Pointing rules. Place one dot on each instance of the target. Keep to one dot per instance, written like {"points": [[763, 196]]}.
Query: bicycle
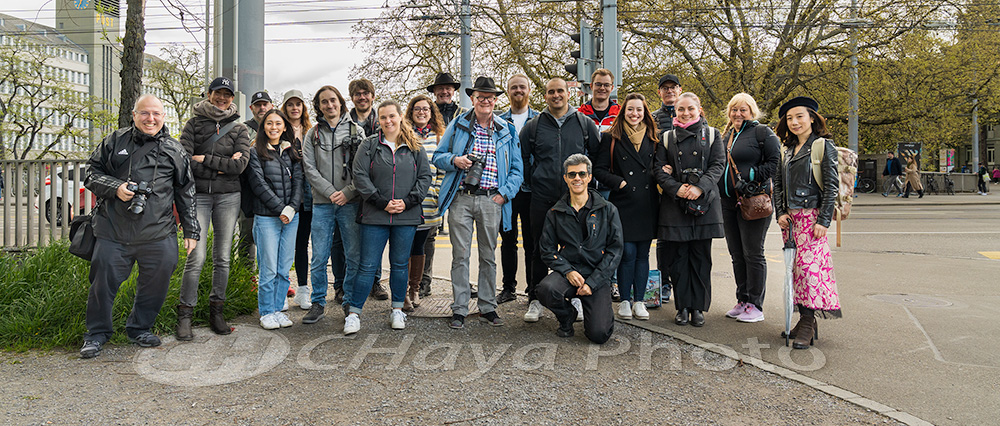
{"points": [[931, 187], [888, 185], [949, 185], [866, 185]]}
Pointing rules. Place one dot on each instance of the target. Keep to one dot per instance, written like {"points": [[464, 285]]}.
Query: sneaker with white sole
{"points": [[283, 319], [737, 310], [751, 314], [285, 306], [534, 311], [397, 320], [579, 308], [269, 322], [639, 311], [302, 299], [352, 324], [625, 310]]}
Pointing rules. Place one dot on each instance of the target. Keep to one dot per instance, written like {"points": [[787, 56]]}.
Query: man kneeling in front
{"points": [[582, 244]]}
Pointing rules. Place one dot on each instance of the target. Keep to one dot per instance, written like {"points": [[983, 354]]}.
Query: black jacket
{"points": [[796, 188], [219, 173], [756, 151], [664, 119], [173, 186], [638, 202], [892, 167], [595, 255], [685, 152], [381, 175], [275, 183], [545, 144], [371, 126]]}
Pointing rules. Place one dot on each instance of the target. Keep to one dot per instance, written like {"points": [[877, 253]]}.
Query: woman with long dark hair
{"points": [[804, 204], [689, 163], [752, 154], [425, 119], [625, 164], [276, 181], [392, 174]]}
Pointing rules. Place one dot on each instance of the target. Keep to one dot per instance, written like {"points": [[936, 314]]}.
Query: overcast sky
{"points": [[299, 56]]}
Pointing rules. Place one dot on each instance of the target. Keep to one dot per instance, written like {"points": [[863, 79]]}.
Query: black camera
{"points": [[691, 176], [141, 190], [747, 189], [475, 172]]}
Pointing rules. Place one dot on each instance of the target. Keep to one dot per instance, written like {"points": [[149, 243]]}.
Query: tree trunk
{"points": [[134, 46]]}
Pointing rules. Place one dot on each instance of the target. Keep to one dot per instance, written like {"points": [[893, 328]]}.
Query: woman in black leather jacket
{"points": [[752, 154], [804, 208]]}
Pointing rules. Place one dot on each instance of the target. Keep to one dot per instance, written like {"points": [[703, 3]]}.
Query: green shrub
{"points": [[43, 298]]}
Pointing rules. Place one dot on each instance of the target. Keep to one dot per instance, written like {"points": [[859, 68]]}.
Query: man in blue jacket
{"points": [[480, 155], [892, 172]]}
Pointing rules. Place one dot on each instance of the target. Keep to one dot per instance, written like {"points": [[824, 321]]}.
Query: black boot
{"points": [[921, 192], [216, 320], [806, 329], [682, 317], [184, 314]]}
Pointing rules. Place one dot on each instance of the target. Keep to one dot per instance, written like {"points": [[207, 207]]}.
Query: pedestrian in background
{"points": [[424, 117], [981, 178], [625, 166], [392, 174], [293, 106], [219, 147], [752, 156], [892, 171], [688, 166], [912, 171], [804, 210], [276, 181]]}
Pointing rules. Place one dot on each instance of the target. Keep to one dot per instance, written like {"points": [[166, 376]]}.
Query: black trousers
{"points": [[691, 273], [663, 261], [520, 206], [745, 240], [302, 247], [111, 266], [554, 293], [536, 214]]}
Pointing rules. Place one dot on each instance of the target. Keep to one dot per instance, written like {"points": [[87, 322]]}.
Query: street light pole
{"points": [[975, 135], [466, 16], [852, 113], [612, 43]]}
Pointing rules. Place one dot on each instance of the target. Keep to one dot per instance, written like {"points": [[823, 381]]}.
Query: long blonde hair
{"points": [[406, 134]]}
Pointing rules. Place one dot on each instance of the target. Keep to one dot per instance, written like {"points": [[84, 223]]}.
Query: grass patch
{"points": [[43, 298]]}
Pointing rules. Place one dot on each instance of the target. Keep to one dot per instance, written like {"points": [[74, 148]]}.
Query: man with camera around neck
{"points": [[132, 227], [480, 155]]}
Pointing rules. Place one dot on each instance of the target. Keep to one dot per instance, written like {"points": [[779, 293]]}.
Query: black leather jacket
{"points": [[796, 188], [565, 248]]}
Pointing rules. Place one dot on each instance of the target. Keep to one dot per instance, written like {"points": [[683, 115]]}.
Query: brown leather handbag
{"points": [[755, 206]]}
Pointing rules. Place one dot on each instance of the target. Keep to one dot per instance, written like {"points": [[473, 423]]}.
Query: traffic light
{"points": [[588, 57]]}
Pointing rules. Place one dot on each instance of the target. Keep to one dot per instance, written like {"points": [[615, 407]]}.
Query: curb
{"points": [[832, 390]]}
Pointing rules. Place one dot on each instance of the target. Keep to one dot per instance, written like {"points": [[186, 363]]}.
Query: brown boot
{"points": [[216, 320], [416, 275], [184, 314], [804, 332]]}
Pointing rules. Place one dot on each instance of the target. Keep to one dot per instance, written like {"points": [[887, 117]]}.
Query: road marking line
{"points": [[995, 255]]}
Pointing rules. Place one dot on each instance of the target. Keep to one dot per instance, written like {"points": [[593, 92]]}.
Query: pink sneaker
{"points": [[751, 314], [736, 311]]}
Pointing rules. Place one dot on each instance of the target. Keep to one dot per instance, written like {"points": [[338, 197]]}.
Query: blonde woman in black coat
{"points": [[624, 163]]}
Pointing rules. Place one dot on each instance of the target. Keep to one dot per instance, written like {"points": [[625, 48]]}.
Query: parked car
{"points": [[55, 184]]}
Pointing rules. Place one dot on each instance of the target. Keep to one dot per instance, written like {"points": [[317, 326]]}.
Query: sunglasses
{"points": [[573, 175]]}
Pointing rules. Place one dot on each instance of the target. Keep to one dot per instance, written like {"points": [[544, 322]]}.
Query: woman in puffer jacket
{"points": [[275, 179]]}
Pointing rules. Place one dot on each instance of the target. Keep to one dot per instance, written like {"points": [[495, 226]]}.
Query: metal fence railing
{"points": [[40, 197]]}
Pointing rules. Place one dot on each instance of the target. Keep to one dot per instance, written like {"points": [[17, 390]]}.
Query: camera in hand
{"points": [[475, 172], [691, 176], [141, 190]]}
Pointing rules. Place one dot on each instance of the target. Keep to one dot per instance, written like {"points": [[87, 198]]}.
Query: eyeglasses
{"points": [[602, 85], [421, 109], [573, 175], [486, 99], [155, 114]]}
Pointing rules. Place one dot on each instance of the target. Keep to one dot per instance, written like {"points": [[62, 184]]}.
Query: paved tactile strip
{"points": [[439, 307]]}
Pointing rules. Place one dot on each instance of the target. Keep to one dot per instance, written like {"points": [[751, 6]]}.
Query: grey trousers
{"points": [[221, 210], [466, 213]]}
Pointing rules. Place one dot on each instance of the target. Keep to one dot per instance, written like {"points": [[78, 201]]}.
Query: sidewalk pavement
{"points": [[964, 198]]}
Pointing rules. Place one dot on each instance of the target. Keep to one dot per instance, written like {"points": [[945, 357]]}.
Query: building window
{"points": [[990, 155]]}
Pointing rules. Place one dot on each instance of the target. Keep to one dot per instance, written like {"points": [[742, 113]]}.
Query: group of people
{"points": [[592, 188]]}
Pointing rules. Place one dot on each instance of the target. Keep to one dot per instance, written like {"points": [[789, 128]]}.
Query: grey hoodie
{"points": [[326, 158]]}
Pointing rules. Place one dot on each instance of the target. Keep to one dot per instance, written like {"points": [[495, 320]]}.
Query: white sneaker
{"points": [[285, 307], [534, 311], [269, 322], [352, 324], [639, 310], [625, 310], [397, 319], [579, 308], [283, 319], [302, 298]]}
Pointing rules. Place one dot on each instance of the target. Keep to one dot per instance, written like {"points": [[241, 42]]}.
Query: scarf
{"points": [[635, 135], [678, 123], [422, 131]]}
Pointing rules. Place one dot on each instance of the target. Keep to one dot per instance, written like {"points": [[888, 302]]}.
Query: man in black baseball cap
{"points": [[669, 89], [444, 88], [260, 104]]}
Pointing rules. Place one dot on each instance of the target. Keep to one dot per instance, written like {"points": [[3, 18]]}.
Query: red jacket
{"points": [[602, 125]]}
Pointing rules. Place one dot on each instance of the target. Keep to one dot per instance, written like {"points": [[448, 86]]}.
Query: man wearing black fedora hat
{"points": [[444, 88], [479, 154]]}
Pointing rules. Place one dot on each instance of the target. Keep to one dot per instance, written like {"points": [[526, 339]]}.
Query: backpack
{"points": [[847, 169], [532, 129]]}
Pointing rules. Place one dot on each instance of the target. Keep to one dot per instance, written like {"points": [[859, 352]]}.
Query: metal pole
{"points": [[852, 113], [208, 29], [612, 42], [466, 16], [975, 135]]}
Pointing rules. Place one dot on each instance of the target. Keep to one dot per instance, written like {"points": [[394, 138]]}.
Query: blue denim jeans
{"points": [[221, 211], [326, 218], [373, 240], [633, 271], [275, 254]]}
